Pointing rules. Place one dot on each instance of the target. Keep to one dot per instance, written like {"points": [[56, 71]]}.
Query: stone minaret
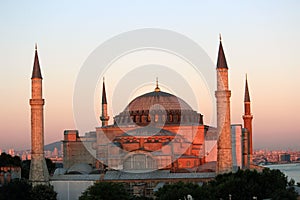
{"points": [[38, 169], [247, 117], [104, 117], [224, 157]]}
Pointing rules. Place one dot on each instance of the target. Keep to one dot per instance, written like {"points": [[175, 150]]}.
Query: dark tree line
{"points": [[242, 185], [8, 160], [21, 189]]}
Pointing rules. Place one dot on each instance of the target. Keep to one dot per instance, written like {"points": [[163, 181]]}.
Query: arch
{"points": [[139, 161]]}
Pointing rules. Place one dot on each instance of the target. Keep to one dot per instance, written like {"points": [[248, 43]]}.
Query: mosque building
{"points": [[158, 138], [159, 130]]}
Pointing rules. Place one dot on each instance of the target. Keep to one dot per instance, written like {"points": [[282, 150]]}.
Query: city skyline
{"points": [[262, 42]]}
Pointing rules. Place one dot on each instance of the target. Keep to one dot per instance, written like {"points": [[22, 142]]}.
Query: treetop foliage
{"points": [[8, 160], [21, 189], [242, 185]]}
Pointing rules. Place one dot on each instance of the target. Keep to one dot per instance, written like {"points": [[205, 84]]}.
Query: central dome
{"points": [[157, 100], [158, 108]]}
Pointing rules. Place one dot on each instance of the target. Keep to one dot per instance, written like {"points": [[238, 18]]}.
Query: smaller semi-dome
{"points": [[60, 171], [81, 168]]}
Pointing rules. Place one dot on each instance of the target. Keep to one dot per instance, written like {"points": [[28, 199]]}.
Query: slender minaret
{"points": [[104, 117], [224, 157], [38, 169], [247, 117]]}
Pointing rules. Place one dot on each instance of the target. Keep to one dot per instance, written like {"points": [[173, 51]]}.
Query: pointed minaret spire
{"points": [[36, 72], [247, 96], [104, 117], [157, 89], [104, 101], [221, 63]]}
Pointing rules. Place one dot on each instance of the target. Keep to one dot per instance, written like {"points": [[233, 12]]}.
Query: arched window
{"points": [[139, 161], [156, 118], [137, 118], [163, 118], [170, 118]]}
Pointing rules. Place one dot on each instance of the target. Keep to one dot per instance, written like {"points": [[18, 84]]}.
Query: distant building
{"points": [[9, 173], [11, 152], [285, 157], [55, 152]]}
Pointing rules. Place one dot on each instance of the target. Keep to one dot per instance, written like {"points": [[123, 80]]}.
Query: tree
{"points": [[15, 190], [50, 166], [246, 184], [242, 185], [25, 168], [105, 191], [22, 189], [44, 192], [8, 160], [179, 190]]}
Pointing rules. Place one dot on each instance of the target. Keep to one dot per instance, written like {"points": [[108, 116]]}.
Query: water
{"points": [[290, 170]]}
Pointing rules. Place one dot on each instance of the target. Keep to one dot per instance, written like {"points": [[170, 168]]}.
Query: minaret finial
{"points": [[220, 36], [157, 89], [35, 46]]}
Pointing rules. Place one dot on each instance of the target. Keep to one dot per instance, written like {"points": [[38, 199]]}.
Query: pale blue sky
{"points": [[261, 38]]}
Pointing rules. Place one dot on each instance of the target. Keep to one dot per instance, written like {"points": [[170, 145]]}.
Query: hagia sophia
{"points": [[158, 138]]}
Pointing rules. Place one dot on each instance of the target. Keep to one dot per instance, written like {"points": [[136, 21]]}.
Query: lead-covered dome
{"points": [[158, 107], [157, 100]]}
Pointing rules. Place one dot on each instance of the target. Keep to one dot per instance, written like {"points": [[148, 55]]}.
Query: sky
{"points": [[260, 38]]}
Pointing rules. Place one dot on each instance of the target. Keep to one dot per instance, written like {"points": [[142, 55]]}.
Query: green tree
{"points": [[50, 166], [15, 190], [25, 167], [8, 160], [179, 190], [44, 192], [105, 191], [22, 189], [244, 185]]}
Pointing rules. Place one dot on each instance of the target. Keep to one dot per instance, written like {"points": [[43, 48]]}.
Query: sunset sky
{"points": [[260, 38]]}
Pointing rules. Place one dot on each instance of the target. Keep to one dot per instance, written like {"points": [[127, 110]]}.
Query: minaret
{"points": [[104, 117], [224, 157], [247, 117], [38, 169]]}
